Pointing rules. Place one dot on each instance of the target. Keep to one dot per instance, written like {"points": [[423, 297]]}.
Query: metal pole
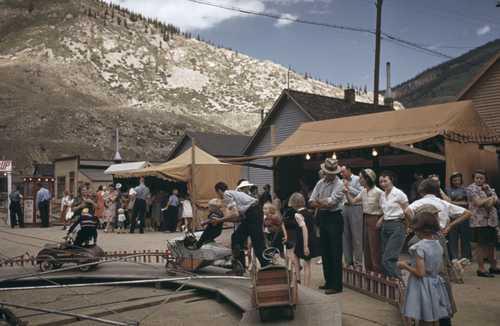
{"points": [[9, 190], [377, 52], [80, 316], [145, 281], [193, 181]]}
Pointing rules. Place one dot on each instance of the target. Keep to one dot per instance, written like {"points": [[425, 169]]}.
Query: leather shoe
{"points": [[494, 270], [322, 287], [484, 274], [331, 291]]}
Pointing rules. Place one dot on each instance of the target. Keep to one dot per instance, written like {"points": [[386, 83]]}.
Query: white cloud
{"points": [[188, 15], [483, 30], [285, 20]]}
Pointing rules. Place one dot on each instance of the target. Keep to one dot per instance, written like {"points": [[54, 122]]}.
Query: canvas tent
{"points": [[200, 176], [126, 167], [457, 122]]}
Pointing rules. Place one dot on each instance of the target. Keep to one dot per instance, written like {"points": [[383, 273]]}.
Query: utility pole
{"points": [[376, 77]]}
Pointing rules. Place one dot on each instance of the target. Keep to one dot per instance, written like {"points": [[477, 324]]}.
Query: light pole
{"points": [[377, 52]]}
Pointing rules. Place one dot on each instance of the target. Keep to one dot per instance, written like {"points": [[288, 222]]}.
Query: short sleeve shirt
{"points": [[390, 204], [371, 200], [238, 200], [481, 216], [446, 210]]}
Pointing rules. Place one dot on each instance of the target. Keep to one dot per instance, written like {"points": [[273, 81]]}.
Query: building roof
{"points": [[95, 163], [96, 175], [457, 121], [481, 73], [322, 107], [217, 145], [318, 107]]}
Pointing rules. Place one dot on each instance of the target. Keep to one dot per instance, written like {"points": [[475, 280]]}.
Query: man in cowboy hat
{"points": [[328, 197]]}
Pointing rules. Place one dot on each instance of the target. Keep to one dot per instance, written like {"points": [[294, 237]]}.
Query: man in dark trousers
{"points": [[16, 213], [139, 210], [328, 197], [243, 209], [43, 204]]}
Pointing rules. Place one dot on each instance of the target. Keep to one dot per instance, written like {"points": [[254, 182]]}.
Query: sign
{"points": [[28, 207], [5, 166]]}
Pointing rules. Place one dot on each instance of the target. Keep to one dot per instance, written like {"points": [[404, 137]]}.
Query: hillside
{"points": [[73, 70], [444, 82]]}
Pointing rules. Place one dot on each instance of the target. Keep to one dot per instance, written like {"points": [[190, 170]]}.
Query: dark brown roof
{"points": [[217, 145], [324, 107]]}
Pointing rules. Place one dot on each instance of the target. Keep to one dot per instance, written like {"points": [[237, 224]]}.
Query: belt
{"points": [[395, 220]]}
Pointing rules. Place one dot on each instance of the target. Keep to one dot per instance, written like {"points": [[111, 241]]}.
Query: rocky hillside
{"points": [[444, 82], [73, 70]]}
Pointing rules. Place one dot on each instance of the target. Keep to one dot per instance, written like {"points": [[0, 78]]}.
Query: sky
{"points": [[449, 26]]}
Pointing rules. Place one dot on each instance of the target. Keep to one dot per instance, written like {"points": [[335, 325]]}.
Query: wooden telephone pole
{"points": [[376, 76]]}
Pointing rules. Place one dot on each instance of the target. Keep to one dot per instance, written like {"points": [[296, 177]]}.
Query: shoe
{"points": [[332, 291], [494, 270], [484, 274], [322, 287]]}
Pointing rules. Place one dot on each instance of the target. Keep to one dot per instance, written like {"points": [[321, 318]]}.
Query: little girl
{"points": [[121, 220], [300, 236], [273, 227], [427, 298]]}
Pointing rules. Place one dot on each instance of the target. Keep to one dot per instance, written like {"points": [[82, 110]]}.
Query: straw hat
{"points": [[244, 184], [330, 166]]}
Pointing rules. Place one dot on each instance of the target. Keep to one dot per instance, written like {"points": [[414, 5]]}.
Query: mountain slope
{"points": [[76, 69], [444, 82]]}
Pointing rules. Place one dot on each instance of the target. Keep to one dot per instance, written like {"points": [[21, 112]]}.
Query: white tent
{"points": [[126, 167]]}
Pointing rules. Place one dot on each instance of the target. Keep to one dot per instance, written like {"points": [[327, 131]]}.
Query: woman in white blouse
{"points": [[369, 197], [392, 224]]}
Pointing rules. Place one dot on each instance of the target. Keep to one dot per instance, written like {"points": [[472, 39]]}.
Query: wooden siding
{"points": [[485, 94], [286, 120]]}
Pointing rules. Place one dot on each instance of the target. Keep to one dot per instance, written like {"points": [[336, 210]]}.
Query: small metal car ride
{"points": [[53, 256], [274, 287], [184, 255]]}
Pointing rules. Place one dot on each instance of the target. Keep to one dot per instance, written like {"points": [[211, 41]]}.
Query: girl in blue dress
{"points": [[426, 298]]}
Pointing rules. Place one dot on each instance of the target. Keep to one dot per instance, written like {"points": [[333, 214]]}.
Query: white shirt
{"points": [[391, 204], [446, 209], [370, 200], [187, 209]]}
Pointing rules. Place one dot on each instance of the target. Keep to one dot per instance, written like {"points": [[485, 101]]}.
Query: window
{"points": [[61, 186]]}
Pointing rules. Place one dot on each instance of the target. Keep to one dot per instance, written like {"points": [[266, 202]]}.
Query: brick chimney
{"points": [[350, 95]]}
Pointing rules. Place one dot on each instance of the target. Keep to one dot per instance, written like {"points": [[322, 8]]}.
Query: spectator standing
{"points": [[353, 220], [265, 197], [482, 201], [462, 233], [187, 212], [328, 198], [369, 197], [16, 212], [66, 203], [392, 224], [99, 211], [172, 211], [43, 197], [139, 209]]}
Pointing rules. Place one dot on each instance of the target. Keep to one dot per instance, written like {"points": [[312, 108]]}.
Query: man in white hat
{"points": [[328, 197]]}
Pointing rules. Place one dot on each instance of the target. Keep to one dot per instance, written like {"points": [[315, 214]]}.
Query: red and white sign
{"points": [[5, 166]]}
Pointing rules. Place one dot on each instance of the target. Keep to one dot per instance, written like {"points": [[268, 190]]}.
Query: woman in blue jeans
{"points": [[392, 224]]}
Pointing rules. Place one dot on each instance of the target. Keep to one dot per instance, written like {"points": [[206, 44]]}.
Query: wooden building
{"points": [[484, 91], [72, 172], [432, 139], [218, 145], [290, 110]]}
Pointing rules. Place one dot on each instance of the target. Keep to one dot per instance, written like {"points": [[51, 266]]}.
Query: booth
{"points": [[199, 170]]}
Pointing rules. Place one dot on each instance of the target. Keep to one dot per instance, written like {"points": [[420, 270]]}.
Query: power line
{"points": [[385, 36]]}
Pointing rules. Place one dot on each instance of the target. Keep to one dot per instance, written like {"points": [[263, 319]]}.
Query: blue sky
{"points": [[448, 26]]}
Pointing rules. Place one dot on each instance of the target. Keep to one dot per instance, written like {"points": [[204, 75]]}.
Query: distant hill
{"points": [[73, 70], [444, 82]]}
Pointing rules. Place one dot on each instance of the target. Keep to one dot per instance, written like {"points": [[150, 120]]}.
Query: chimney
{"points": [[350, 95], [118, 157], [388, 91]]}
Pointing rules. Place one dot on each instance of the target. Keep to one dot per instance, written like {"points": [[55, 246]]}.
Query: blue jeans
{"points": [[392, 236]]}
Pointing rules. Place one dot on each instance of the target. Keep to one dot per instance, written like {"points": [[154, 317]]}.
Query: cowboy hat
{"points": [[330, 166], [244, 184]]}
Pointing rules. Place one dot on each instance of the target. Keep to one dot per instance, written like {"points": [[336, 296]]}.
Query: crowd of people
{"points": [[365, 221]]}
